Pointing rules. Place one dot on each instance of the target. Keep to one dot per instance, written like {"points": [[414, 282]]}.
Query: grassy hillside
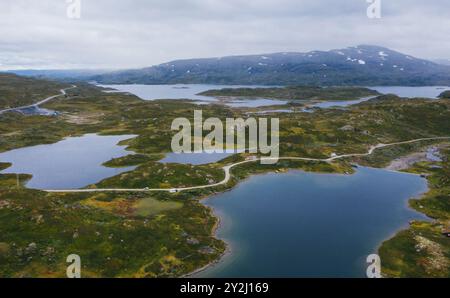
{"points": [[162, 234], [18, 91], [423, 250], [295, 93], [363, 65], [445, 94]]}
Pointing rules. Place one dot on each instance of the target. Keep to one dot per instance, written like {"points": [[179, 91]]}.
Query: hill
{"points": [[363, 65], [18, 91]]}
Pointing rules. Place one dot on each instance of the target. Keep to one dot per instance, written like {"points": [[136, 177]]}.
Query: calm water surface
{"points": [[255, 103], [190, 91], [71, 163], [178, 91], [311, 225], [403, 91], [272, 111], [295, 224]]}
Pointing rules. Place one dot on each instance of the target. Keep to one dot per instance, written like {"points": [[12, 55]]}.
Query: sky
{"points": [[117, 34]]}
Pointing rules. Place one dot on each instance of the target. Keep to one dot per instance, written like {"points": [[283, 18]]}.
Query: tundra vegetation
{"points": [[424, 248], [445, 94], [295, 93], [18, 91], [160, 234]]}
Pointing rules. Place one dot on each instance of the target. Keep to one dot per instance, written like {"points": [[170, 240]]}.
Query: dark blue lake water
{"points": [[195, 158], [71, 163], [301, 224], [406, 91]]}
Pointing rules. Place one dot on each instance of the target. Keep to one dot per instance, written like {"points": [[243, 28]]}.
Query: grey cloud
{"points": [[137, 33]]}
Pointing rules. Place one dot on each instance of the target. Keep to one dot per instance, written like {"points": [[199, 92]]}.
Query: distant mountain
{"points": [[59, 74], [18, 91], [361, 65], [445, 94], [442, 61]]}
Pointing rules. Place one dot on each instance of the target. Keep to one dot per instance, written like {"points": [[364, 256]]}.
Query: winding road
{"points": [[37, 104], [227, 170]]}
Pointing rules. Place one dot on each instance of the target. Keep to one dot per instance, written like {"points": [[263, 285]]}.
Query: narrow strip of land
{"points": [[228, 168], [37, 104]]}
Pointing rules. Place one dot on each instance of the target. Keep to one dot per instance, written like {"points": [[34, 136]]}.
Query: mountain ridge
{"points": [[363, 65], [366, 65]]}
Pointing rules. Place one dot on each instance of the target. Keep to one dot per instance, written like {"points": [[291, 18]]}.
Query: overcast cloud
{"points": [[139, 33]]}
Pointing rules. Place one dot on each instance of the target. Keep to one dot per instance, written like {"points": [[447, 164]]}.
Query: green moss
{"points": [[31, 90], [295, 93], [150, 206], [4, 165], [445, 94], [423, 250], [158, 243]]}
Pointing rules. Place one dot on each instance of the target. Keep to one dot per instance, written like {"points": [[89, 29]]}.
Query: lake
{"points": [[72, 163], [154, 92], [405, 91], [301, 224], [294, 224], [177, 91], [254, 103], [190, 91], [340, 103], [36, 110]]}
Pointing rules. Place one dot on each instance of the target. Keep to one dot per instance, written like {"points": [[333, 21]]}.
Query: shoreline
{"points": [[218, 224], [228, 250], [408, 206], [221, 257]]}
